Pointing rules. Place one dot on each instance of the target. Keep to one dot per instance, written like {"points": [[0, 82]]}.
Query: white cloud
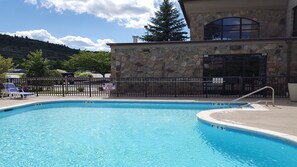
{"points": [[41, 35], [71, 41], [129, 13], [86, 43], [34, 2]]}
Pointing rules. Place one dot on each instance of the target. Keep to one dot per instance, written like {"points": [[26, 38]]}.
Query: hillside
{"points": [[19, 47]]}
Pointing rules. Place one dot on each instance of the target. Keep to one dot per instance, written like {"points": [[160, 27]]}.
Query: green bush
{"points": [[55, 73], [84, 74], [80, 89]]}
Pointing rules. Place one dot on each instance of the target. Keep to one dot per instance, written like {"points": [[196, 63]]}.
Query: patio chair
{"points": [[109, 86], [11, 89]]}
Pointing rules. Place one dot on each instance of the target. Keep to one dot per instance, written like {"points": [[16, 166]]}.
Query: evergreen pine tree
{"points": [[166, 25]]}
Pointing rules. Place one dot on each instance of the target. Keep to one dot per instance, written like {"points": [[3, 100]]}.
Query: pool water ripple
{"points": [[129, 134]]}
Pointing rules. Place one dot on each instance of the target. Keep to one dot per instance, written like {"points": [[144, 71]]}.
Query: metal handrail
{"points": [[256, 91]]}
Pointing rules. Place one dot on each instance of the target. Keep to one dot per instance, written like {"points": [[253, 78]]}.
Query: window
{"points": [[295, 22], [250, 65], [231, 28]]}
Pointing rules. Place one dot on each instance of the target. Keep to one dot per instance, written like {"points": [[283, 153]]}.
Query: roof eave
{"points": [[181, 3]]}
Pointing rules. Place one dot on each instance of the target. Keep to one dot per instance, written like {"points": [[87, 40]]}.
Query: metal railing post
{"points": [[66, 84], [36, 86], [206, 89], [288, 80], [256, 91], [273, 103], [90, 87], [175, 88], [145, 87], [241, 86], [117, 87], [63, 89]]}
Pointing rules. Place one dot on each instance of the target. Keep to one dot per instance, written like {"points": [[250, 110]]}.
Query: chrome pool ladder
{"points": [[256, 91]]}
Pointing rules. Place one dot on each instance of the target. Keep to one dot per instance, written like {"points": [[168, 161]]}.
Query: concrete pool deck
{"points": [[282, 118]]}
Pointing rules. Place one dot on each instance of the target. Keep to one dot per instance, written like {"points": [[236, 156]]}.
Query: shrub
{"points": [[55, 73], [84, 75], [100, 88], [80, 89]]}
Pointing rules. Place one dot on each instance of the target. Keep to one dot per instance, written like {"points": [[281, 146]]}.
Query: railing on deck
{"points": [[155, 87], [256, 91]]}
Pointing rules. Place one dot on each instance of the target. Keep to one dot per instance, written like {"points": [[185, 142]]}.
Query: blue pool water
{"points": [[130, 134]]}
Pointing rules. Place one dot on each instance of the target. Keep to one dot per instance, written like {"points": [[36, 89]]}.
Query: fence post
{"points": [[117, 86], [175, 91], [66, 84], [288, 80], [205, 85], [36, 86], [63, 90], [265, 84], [145, 87], [241, 86], [90, 87]]}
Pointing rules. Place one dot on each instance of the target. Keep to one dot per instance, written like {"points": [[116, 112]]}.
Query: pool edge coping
{"points": [[206, 117], [110, 100]]}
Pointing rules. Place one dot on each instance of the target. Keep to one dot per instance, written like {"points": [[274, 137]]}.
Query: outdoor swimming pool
{"points": [[90, 133]]}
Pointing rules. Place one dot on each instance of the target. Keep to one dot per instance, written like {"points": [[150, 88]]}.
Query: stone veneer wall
{"points": [[186, 59], [291, 5], [272, 21]]}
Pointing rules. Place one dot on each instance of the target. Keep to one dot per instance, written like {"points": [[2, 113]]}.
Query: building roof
{"points": [[181, 3], [286, 39], [204, 6]]}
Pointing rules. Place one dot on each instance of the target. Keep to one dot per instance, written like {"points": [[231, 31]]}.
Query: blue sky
{"points": [[84, 24]]}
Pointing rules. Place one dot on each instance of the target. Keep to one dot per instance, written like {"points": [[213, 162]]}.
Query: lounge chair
{"points": [[109, 86], [11, 89]]}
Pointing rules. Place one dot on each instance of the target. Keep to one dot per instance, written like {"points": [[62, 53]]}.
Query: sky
{"points": [[81, 24]]}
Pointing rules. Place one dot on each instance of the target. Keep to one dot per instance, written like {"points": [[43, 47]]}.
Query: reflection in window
{"points": [[231, 28], [295, 22], [250, 65]]}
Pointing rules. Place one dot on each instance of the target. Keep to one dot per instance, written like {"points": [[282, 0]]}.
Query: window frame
{"points": [[240, 28]]}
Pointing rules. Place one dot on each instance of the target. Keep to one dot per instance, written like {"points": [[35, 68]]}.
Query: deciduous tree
{"points": [[36, 65], [92, 61], [5, 65]]}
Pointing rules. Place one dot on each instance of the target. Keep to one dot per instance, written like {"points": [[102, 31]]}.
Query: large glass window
{"points": [[295, 22], [231, 28], [251, 65]]}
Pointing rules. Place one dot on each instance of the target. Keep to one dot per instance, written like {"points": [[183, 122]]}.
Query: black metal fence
{"points": [[155, 87]]}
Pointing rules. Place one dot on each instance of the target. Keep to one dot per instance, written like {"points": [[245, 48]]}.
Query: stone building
{"points": [[247, 38]]}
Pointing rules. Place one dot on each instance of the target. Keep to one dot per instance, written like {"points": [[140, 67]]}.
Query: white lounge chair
{"points": [[11, 89], [109, 86]]}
